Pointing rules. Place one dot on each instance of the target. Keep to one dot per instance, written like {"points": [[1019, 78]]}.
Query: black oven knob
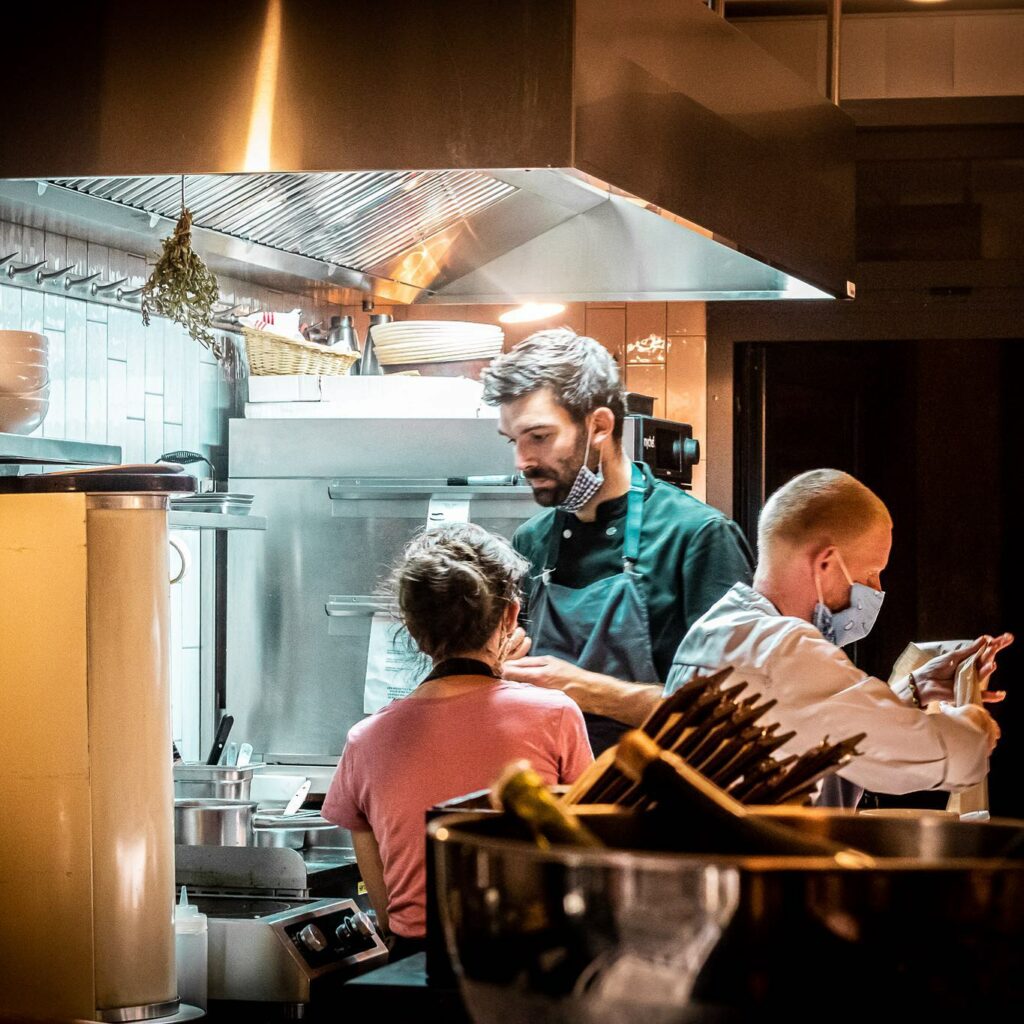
{"points": [[313, 939], [352, 927]]}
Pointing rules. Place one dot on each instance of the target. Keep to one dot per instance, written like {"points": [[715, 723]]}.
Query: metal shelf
{"points": [[214, 521], [370, 490], [48, 451]]}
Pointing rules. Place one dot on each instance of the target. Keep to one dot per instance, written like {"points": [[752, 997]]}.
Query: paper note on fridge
{"points": [[394, 667]]}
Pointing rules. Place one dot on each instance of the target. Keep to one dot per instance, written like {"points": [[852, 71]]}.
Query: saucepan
{"points": [[293, 831], [213, 822], [645, 930]]}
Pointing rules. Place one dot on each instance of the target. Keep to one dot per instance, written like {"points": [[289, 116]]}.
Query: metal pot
{"points": [[214, 781], [213, 822], [289, 831], [596, 936]]}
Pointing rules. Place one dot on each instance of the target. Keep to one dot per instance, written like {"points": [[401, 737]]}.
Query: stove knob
{"points": [[361, 923], [313, 939], [354, 926]]}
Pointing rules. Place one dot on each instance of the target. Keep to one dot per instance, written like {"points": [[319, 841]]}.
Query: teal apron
{"points": [[603, 627]]}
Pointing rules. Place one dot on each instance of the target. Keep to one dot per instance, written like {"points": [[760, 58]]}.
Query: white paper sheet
{"points": [[394, 667]]}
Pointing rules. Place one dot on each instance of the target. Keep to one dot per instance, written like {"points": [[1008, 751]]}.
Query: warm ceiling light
{"points": [[261, 118], [532, 311]]}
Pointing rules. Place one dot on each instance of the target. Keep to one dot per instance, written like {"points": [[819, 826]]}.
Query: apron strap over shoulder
{"points": [[634, 518]]}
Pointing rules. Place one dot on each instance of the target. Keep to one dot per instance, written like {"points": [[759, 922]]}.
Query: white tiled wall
{"points": [[150, 390]]}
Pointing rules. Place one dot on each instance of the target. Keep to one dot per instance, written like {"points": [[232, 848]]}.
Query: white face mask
{"points": [[585, 486], [853, 623]]}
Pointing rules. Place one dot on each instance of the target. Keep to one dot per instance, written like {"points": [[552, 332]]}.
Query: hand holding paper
{"points": [[936, 679]]}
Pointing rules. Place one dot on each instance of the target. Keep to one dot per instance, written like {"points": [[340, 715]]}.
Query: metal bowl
{"points": [[213, 822], [641, 932]]}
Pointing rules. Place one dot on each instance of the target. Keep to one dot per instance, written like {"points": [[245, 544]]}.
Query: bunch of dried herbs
{"points": [[182, 287]]}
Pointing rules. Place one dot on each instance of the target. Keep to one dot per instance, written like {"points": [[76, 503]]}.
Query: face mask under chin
{"points": [[585, 486]]}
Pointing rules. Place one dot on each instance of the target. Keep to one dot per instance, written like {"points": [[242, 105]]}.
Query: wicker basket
{"points": [[272, 355]]}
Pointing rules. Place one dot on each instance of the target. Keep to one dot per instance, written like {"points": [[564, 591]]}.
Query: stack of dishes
{"points": [[229, 504], [435, 341], [24, 381]]}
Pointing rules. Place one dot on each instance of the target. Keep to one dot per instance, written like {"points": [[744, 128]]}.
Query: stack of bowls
{"points": [[24, 381], [439, 348]]}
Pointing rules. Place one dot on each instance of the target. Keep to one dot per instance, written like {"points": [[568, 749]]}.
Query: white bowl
{"points": [[21, 415]]}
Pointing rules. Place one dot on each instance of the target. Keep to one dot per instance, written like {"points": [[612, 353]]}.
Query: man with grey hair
{"points": [[622, 563]]}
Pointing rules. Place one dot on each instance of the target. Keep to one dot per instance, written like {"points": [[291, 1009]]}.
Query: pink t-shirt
{"points": [[420, 751]]}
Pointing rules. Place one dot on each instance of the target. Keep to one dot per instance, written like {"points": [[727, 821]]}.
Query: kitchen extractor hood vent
{"points": [[442, 151], [355, 220]]}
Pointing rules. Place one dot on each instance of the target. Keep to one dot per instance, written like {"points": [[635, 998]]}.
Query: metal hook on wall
{"points": [[47, 275], [74, 282], [8, 257], [97, 288], [132, 294], [26, 268]]}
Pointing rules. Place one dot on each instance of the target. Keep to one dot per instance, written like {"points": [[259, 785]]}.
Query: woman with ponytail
{"points": [[457, 590]]}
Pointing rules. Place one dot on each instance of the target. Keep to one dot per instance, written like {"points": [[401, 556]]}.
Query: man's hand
{"points": [[517, 646], [935, 679], [629, 703], [544, 670]]}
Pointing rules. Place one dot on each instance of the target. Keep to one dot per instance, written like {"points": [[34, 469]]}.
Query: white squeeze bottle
{"points": [[190, 951]]}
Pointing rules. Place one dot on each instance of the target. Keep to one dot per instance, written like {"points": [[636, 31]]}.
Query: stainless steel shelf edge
{"points": [[214, 521], [48, 451], [338, 491], [342, 605]]}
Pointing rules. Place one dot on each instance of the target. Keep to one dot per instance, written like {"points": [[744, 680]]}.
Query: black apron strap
{"points": [[461, 667]]}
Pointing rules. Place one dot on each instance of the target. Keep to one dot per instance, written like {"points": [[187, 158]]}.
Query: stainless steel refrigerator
{"points": [[341, 498]]}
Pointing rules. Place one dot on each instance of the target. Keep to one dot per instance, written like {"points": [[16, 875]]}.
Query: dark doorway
{"points": [[935, 429]]}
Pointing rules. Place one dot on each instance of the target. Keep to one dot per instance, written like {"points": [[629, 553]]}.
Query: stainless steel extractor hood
{"points": [[446, 151]]}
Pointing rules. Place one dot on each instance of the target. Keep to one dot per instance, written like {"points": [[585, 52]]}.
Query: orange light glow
{"points": [[530, 311], [261, 120]]}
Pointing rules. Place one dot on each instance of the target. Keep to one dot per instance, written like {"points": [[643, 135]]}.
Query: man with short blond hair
{"points": [[824, 540], [819, 504]]}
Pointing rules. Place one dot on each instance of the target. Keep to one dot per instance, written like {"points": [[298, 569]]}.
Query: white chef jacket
{"points": [[820, 693]]}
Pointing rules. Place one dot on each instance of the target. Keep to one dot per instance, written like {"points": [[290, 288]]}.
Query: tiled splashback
{"points": [[114, 381], [148, 389]]}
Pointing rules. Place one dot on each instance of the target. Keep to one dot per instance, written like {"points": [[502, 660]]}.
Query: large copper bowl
{"points": [[642, 933]]}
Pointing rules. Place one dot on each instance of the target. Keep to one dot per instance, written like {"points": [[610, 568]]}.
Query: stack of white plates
{"points": [[230, 504], [435, 341]]}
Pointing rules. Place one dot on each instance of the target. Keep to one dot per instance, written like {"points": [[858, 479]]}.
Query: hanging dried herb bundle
{"points": [[182, 287]]}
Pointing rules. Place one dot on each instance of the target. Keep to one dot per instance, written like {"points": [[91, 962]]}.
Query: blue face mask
{"points": [[852, 623]]}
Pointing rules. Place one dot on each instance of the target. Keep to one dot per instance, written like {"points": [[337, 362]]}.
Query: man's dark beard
{"points": [[564, 475]]}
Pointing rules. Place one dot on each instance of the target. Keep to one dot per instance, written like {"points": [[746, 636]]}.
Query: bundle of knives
{"points": [[721, 734]]}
